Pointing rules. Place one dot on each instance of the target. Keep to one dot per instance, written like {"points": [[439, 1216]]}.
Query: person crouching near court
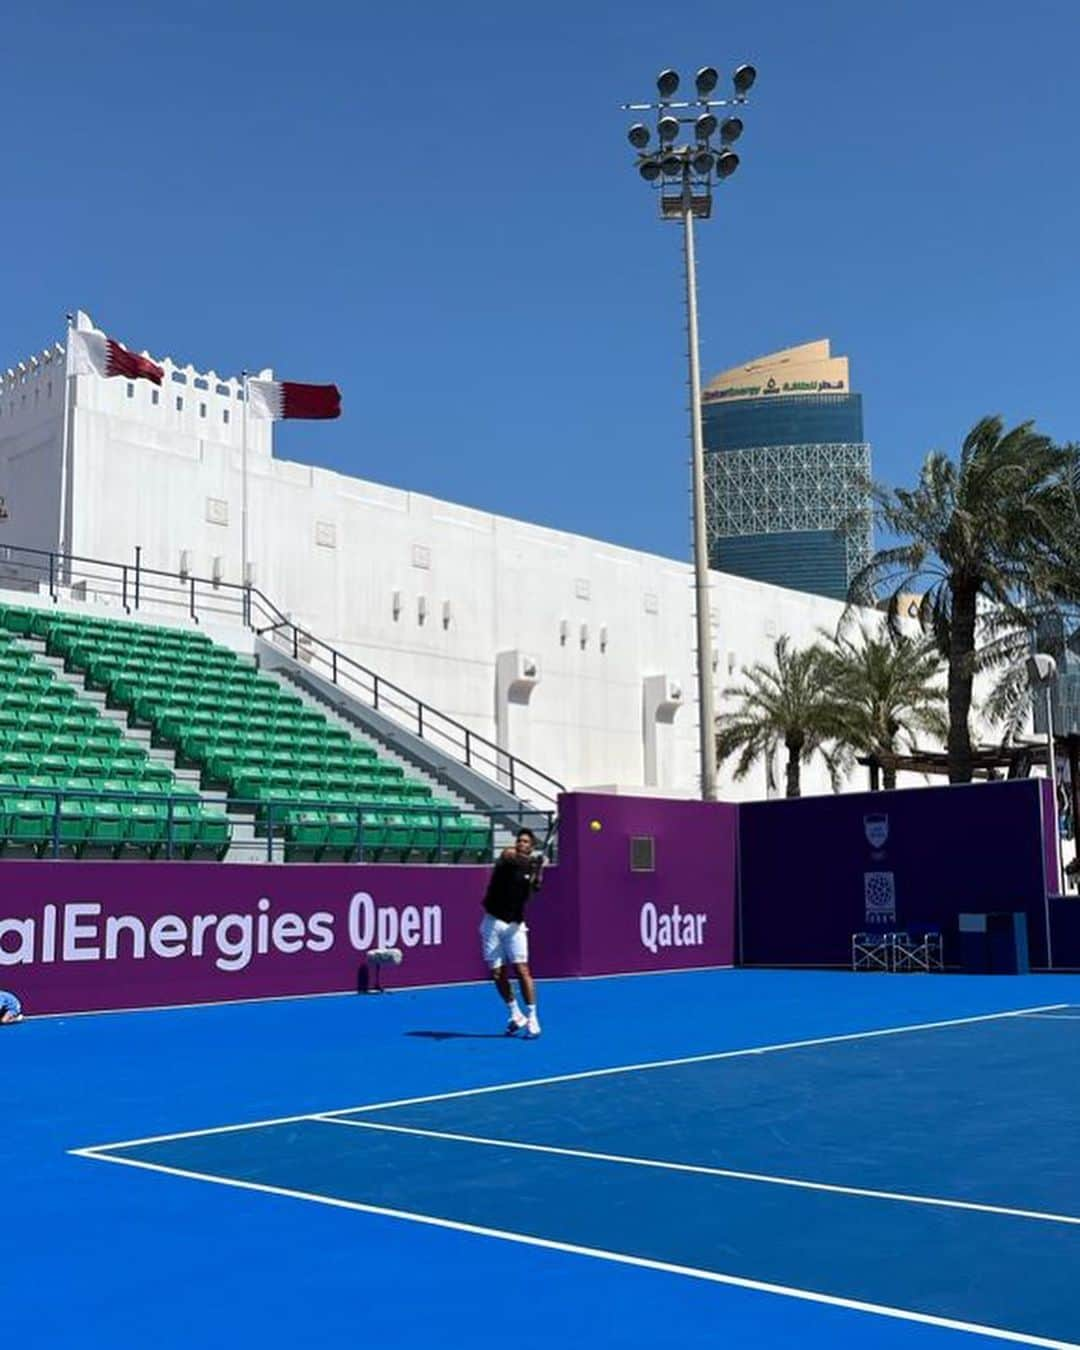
{"points": [[10, 1008], [504, 934]]}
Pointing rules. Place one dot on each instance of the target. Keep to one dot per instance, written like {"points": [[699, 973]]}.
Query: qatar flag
{"points": [[279, 399], [92, 353]]}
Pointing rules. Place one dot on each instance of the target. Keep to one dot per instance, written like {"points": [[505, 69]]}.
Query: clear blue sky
{"points": [[434, 205]]}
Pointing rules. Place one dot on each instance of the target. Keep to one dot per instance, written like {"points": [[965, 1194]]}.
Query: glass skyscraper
{"points": [[787, 471]]}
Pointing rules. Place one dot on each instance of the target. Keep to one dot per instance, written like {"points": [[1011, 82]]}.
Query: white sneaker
{"points": [[532, 1026], [517, 1023]]}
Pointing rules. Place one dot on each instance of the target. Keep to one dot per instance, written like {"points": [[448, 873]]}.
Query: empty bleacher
{"points": [[72, 782], [306, 781]]}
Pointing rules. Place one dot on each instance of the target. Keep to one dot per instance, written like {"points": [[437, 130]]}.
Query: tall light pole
{"points": [[1042, 672], [683, 172]]}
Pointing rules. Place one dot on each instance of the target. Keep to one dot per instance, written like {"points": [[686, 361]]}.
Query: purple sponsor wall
{"points": [[1065, 931], [116, 935], [814, 871], [679, 915], [91, 935]]}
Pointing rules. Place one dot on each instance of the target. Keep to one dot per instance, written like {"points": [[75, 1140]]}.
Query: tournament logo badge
{"points": [[877, 830], [879, 894]]}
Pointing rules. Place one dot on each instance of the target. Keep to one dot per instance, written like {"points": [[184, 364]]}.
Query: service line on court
{"points": [[701, 1169], [599, 1253], [96, 1150]]}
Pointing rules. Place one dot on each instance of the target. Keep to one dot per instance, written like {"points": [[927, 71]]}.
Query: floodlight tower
{"points": [[683, 173]]}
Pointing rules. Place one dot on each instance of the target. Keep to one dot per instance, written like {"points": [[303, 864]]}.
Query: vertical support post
{"points": [[1051, 769], [333, 662], [420, 720], [1074, 788], [52, 577], [56, 825], [468, 748], [244, 480], [138, 570], [67, 439], [706, 700], [123, 588]]}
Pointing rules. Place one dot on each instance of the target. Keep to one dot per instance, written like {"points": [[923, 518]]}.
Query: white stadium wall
{"points": [[429, 594]]}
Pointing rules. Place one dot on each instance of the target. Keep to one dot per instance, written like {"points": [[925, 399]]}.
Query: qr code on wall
{"points": [[879, 890]]}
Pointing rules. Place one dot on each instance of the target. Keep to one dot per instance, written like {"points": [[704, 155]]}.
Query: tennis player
{"points": [[504, 933], [10, 1008]]}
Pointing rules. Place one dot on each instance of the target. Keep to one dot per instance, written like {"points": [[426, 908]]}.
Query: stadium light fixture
{"points": [[705, 126], [705, 80], [727, 161], [684, 174], [743, 80], [667, 129], [731, 128], [667, 83]]}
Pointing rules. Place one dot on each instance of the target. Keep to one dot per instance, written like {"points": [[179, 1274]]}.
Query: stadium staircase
{"points": [[152, 741]]}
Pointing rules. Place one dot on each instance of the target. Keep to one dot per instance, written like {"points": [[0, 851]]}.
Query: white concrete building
{"points": [[447, 601]]}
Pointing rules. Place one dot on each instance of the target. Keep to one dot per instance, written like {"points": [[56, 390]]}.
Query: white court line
{"points": [[574, 1077], [599, 1253], [347, 990], [700, 1169]]}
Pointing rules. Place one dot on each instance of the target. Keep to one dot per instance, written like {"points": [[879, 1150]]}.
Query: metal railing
{"points": [[296, 830], [134, 587]]}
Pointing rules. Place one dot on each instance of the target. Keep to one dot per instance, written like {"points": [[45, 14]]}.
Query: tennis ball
{"points": [[595, 826]]}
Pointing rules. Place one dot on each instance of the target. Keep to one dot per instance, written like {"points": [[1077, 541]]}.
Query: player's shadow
{"points": [[458, 1035]]}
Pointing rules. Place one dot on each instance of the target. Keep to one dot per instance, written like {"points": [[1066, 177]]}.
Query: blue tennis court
{"points": [[752, 1157]]}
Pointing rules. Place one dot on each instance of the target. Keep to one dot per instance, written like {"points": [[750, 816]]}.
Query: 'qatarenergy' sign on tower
{"points": [[787, 471]]}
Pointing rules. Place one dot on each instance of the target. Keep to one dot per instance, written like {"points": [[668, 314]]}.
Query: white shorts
{"points": [[504, 943]]}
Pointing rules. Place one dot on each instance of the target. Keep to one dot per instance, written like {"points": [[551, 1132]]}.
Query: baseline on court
{"points": [[857, 1170]]}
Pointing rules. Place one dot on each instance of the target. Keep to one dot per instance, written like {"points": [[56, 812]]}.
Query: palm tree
{"points": [[784, 704], [887, 690], [986, 540]]}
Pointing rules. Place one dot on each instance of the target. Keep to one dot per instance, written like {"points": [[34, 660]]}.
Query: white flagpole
{"points": [[63, 539], [244, 485]]}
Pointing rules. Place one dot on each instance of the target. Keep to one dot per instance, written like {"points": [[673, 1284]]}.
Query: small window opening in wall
{"points": [[179, 377], [222, 389], [130, 390], [225, 415], [643, 853], [179, 404], [202, 409], [155, 396], [200, 383]]}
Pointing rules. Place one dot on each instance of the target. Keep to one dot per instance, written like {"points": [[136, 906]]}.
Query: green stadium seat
{"points": [[145, 827], [27, 821], [107, 825]]}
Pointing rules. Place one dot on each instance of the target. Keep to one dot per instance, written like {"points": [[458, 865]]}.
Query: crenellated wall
{"points": [[433, 595]]}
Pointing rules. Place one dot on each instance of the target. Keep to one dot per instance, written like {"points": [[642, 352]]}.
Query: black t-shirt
{"points": [[512, 883]]}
